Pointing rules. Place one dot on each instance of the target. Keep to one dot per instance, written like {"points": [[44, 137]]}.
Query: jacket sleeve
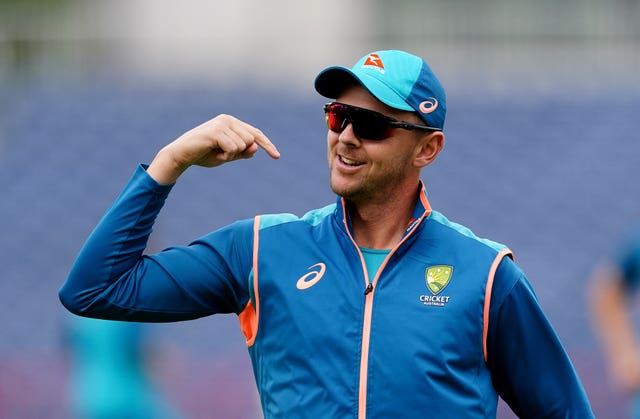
{"points": [[112, 278], [530, 368]]}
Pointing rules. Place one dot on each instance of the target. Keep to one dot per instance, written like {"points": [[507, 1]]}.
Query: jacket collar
{"points": [[421, 211]]}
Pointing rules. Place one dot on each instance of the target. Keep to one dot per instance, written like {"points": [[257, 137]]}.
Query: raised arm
{"points": [[112, 279], [217, 141]]}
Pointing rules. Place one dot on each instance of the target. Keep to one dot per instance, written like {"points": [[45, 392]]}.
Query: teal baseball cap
{"points": [[396, 78]]}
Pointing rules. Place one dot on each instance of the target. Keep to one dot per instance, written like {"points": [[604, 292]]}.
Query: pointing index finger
{"points": [[266, 144]]}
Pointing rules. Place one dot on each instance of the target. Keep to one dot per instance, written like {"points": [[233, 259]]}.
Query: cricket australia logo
{"points": [[437, 278]]}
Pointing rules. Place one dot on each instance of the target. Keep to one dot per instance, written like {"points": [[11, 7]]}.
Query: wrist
{"points": [[164, 169]]}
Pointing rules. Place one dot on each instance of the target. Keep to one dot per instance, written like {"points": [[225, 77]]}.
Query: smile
{"points": [[349, 162]]}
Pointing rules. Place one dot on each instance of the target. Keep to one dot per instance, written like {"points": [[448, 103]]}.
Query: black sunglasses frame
{"points": [[350, 113]]}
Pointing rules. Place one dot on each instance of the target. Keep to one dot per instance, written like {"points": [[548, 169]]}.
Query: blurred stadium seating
{"points": [[544, 162], [554, 178]]}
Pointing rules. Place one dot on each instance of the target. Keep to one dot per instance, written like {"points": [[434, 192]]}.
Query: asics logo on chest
{"points": [[310, 279]]}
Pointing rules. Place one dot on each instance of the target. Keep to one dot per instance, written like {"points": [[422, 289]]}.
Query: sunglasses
{"points": [[366, 124]]}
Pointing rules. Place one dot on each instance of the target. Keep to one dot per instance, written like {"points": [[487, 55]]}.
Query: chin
{"points": [[341, 190], [348, 188], [351, 193]]}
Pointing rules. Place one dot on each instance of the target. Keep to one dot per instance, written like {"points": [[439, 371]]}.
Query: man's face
{"points": [[366, 171]]}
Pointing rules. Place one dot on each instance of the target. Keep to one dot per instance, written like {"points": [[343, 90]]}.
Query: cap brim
{"points": [[332, 81]]}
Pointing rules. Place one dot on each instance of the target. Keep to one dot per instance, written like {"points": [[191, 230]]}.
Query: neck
{"points": [[381, 225]]}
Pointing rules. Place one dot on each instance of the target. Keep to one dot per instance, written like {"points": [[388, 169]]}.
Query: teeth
{"points": [[349, 162]]}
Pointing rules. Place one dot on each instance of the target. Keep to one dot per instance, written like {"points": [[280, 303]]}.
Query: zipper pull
{"points": [[369, 288]]}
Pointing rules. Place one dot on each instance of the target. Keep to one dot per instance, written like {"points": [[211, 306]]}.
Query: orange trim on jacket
{"points": [[487, 297], [250, 315]]}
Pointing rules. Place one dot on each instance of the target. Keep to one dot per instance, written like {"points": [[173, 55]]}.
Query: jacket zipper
{"points": [[369, 288], [364, 352], [368, 310]]}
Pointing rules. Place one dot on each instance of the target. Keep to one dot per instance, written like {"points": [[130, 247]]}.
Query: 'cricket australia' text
{"points": [[434, 300]]}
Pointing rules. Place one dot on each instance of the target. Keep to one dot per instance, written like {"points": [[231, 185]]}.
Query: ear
{"points": [[428, 148]]}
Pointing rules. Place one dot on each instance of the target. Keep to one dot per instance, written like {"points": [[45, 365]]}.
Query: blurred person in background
{"points": [[376, 306], [112, 371], [613, 299]]}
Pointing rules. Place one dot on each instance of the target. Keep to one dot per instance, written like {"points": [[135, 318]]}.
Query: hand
{"points": [[215, 142]]}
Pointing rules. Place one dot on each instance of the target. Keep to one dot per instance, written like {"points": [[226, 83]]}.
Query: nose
{"points": [[347, 136], [344, 124]]}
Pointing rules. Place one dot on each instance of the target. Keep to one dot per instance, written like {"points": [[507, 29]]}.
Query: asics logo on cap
{"points": [[429, 105], [373, 60]]}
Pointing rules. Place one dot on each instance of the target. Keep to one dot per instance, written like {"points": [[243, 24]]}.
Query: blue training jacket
{"points": [[447, 324]]}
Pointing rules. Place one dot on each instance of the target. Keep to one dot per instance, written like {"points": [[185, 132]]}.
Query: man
{"points": [[376, 306], [613, 285]]}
